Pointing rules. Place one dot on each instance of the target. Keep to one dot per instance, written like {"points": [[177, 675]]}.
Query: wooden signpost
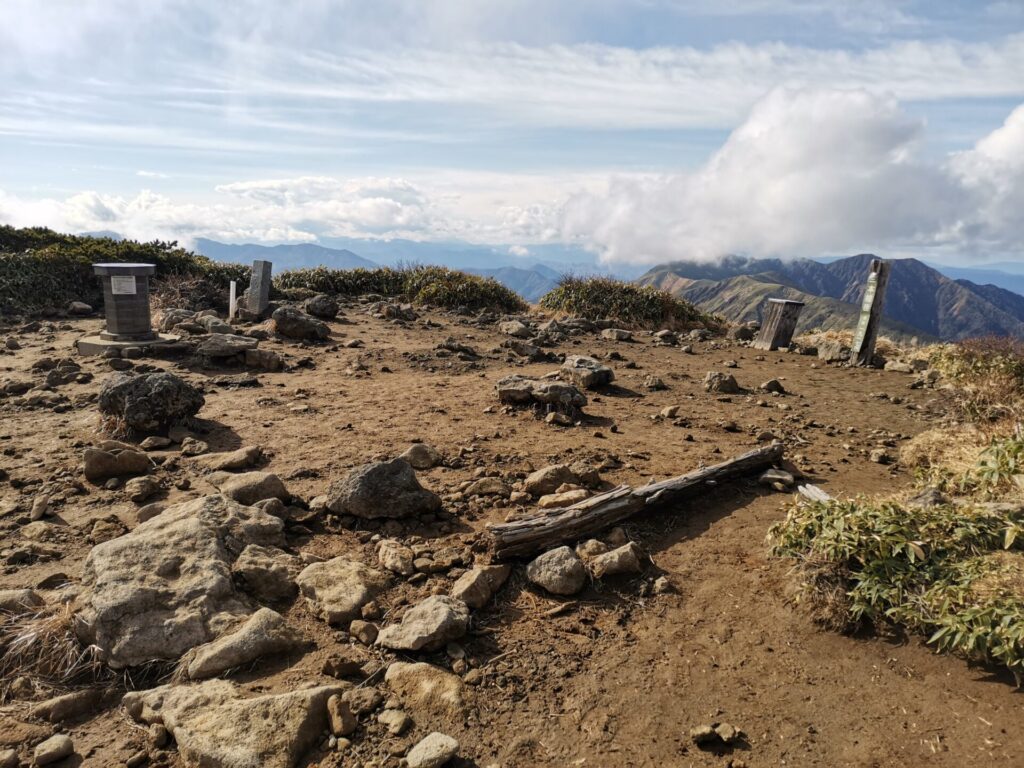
{"points": [[780, 318], [870, 313]]}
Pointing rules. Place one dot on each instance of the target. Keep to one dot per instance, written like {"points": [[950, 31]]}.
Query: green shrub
{"points": [[939, 570], [626, 303], [41, 268]]}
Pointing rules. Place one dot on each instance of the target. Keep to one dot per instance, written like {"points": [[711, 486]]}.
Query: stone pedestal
{"points": [[126, 301]]}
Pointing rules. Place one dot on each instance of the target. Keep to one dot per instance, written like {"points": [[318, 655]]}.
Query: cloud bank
{"points": [[809, 172]]}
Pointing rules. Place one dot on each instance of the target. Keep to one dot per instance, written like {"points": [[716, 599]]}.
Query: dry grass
{"points": [[1004, 577], [42, 644], [885, 346], [955, 449]]}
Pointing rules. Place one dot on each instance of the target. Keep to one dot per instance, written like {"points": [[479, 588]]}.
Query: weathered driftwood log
{"points": [[557, 526]]}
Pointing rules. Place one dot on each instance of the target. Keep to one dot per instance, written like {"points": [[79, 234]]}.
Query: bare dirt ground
{"points": [[620, 675]]}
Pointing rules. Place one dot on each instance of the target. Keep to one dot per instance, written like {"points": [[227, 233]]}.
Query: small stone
{"points": [[53, 749], [773, 385], [9, 758], [190, 446], [363, 631], [563, 499], [138, 489], [342, 719], [432, 752], [395, 720], [40, 507], [154, 442], [396, 557], [422, 456], [773, 476], [558, 419], [880, 456], [619, 561], [616, 334], [428, 625], [559, 571]]}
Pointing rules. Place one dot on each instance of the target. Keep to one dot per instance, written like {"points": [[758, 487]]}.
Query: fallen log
{"points": [[558, 526]]}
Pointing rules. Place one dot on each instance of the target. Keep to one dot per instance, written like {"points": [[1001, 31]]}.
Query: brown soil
{"points": [[621, 675]]}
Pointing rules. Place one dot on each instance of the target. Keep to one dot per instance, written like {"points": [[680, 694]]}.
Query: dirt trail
{"points": [[620, 677]]}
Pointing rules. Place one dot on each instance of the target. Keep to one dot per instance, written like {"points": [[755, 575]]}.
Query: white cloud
{"points": [[809, 172], [152, 175], [813, 172]]}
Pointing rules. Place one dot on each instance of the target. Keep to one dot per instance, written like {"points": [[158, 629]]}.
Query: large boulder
{"points": [[427, 626], [149, 402], [559, 571], [166, 586], [338, 588], [262, 634], [321, 305], [214, 726], [522, 390], [290, 322], [381, 489], [586, 372]]}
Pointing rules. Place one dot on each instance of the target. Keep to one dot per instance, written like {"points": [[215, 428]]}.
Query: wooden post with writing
{"points": [[779, 323], [870, 313]]}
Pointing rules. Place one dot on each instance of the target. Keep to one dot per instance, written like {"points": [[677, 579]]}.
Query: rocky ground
{"points": [[308, 601]]}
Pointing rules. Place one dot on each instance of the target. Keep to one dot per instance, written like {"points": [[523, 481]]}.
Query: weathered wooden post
{"points": [[870, 313], [779, 322], [259, 287]]}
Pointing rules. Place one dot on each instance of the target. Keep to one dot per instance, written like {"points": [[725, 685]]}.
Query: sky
{"points": [[640, 130]]}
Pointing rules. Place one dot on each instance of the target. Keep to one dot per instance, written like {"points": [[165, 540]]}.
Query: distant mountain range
{"points": [[920, 300], [293, 256]]}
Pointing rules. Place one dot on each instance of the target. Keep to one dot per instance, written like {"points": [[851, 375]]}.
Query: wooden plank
{"points": [[870, 313], [779, 324], [557, 526]]}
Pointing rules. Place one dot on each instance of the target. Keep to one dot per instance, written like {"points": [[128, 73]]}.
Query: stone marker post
{"points": [[870, 313], [259, 287], [126, 301], [780, 318]]}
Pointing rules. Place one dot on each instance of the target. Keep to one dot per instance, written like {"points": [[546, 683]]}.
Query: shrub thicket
{"points": [[41, 268], [631, 305]]}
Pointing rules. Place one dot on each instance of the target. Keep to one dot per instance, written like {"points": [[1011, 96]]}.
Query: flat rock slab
{"points": [[427, 626], [338, 588], [166, 586], [262, 634], [215, 727]]}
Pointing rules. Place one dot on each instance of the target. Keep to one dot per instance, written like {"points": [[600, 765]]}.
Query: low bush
{"points": [[988, 376], [631, 305]]}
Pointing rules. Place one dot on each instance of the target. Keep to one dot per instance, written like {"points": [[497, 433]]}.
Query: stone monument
{"points": [[126, 306]]}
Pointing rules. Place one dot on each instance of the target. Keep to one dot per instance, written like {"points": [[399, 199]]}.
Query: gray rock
{"points": [[559, 571], [522, 390], [322, 306], [488, 486], [742, 333], [395, 721], [216, 727], [290, 322], [396, 557], [262, 634], [219, 345], [619, 561], [69, 706], [773, 385], [433, 751], [232, 461], [833, 351], [616, 334], [214, 325], [149, 402], [548, 479], [382, 489], [250, 487], [340, 716], [53, 749], [166, 586], [427, 626], [19, 600], [586, 372], [721, 382], [515, 328], [476, 587], [422, 456], [79, 308], [267, 573], [139, 489], [338, 588], [171, 317], [114, 461], [9, 758]]}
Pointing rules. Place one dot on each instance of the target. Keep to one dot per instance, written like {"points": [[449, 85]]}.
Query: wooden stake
{"points": [[871, 313], [558, 526], [780, 316]]}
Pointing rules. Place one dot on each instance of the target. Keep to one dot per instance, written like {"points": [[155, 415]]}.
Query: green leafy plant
{"points": [[632, 305]]}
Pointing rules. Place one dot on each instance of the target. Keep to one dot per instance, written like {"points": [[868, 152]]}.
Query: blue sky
{"points": [[640, 129]]}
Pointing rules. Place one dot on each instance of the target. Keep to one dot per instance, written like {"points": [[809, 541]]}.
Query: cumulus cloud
{"points": [[808, 172], [812, 172]]}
